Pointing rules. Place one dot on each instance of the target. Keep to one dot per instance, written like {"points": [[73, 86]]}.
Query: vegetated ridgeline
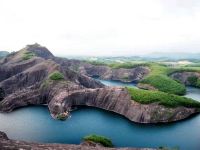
{"points": [[124, 73], [44, 79], [150, 76]]}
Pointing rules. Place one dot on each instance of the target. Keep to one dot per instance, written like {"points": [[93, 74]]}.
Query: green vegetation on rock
{"points": [[165, 84], [99, 139], [61, 116], [165, 99], [159, 79], [198, 83], [28, 55], [56, 76], [159, 76], [192, 80], [115, 65], [127, 65]]}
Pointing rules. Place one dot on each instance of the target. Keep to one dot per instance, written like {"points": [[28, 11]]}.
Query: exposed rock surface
{"points": [[25, 82], [119, 101], [7, 144], [183, 76], [105, 72], [21, 81]]}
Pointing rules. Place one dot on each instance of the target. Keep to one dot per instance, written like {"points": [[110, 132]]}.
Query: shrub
{"points": [[198, 83], [61, 116], [165, 99], [192, 80], [99, 139], [56, 76], [28, 55]]}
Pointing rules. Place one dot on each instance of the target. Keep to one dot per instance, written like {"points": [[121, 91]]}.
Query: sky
{"points": [[101, 27]]}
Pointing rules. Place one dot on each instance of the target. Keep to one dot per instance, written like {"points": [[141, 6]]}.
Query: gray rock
{"points": [[183, 76], [26, 82], [7, 144]]}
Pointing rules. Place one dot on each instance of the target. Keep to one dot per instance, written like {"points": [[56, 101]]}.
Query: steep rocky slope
{"points": [[104, 72], [26, 79], [119, 101], [184, 76]]}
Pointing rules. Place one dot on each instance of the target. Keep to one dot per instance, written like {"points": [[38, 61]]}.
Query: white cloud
{"points": [[101, 27]]}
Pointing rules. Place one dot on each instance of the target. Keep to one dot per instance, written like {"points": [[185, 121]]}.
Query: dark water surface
{"points": [[35, 124]]}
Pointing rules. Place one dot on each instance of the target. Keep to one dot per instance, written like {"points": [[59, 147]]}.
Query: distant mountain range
{"points": [[173, 56]]}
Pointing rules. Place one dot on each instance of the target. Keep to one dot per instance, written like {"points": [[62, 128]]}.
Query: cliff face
{"points": [[21, 80], [119, 101], [124, 75], [184, 76], [26, 82], [7, 144], [105, 72]]}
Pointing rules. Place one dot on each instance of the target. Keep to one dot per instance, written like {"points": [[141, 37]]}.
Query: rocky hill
{"points": [[34, 76], [107, 73]]}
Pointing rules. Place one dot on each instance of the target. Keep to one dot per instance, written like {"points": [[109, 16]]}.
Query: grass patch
{"points": [[56, 76], [99, 139], [192, 80], [165, 99], [28, 55], [165, 84], [159, 79]]}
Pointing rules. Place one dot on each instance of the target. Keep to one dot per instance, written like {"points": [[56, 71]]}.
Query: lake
{"points": [[34, 123]]}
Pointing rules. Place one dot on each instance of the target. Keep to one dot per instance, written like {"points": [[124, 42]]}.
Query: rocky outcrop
{"points": [[184, 76], [27, 82], [119, 101], [125, 75], [40, 51], [7, 144], [104, 72], [22, 81]]}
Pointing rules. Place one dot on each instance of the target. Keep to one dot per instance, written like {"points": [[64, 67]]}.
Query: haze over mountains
{"points": [[173, 55], [151, 56]]}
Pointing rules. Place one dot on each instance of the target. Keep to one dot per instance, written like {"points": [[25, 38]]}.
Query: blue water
{"points": [[193, 93], [35, 124], [117, 83]]}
